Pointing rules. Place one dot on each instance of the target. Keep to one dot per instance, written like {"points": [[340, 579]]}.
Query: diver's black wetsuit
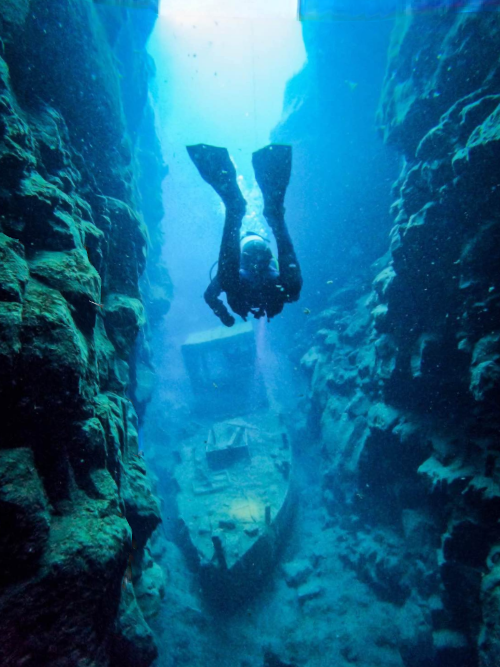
{"points": [[244, 294], [266, 294]]}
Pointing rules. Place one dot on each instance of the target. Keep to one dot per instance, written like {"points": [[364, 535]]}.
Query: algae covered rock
{"points": [[14, 272], [72, 249], [150, 589], [133, 644], [485, 372], [72, 274], [54, 613], [127, 238], [142, 508], [25, 514], [52, 345], [11, 315], [124, 316]]}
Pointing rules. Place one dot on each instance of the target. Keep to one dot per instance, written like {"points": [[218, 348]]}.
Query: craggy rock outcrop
{"points": [[405, 375], [76, 506]]}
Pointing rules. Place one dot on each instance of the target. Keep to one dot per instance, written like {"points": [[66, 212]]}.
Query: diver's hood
{"points": [[253, 239], [255, 253]]}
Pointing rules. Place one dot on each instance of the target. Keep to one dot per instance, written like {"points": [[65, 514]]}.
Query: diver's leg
{"points": [[272, 166], [290, 274], [229, 253], [216, 168]]}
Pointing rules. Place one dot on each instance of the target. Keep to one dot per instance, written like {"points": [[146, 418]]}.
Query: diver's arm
{"points": [[211, 297], [290, 275]]}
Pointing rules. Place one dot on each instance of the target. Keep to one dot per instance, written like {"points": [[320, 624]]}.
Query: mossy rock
{"points": [[18, 146], [14, 12], [89, 445], [74, 598], [53, 351], [11, 318], [74, 276], [142, 508], [94, 244], [25, 515], [133, 643], [14, 273], [48, 215], [42, 197], [111, 411], [124, 316], [485, 370], [127, 243], [113, 371], [150, 589]]}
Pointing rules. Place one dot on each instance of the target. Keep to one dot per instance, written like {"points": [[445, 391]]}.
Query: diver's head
{"points": [[255, 253]]}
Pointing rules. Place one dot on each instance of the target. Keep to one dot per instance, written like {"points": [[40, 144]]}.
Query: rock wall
{"points": [[405, 373], [76, 505]]}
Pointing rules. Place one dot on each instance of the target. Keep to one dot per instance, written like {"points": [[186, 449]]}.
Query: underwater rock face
{"points": [[406, 380], [76, 505]]}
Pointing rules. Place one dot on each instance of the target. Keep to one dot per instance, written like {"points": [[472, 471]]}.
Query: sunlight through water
{"points": [[221, 72]]}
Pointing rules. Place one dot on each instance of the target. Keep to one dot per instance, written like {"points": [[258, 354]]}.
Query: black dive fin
{"points": [[216, 168], [272, 166]]}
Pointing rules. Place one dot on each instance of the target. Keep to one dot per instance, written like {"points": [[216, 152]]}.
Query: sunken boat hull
{"points": [[235, 503]]}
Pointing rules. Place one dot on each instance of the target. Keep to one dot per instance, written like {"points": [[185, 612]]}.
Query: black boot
{"points": [[216, 168], [272, 166]]}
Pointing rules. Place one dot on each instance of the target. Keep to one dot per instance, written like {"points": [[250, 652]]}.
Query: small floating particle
{"points": [[329, 282], [307, 311], [214, 385]]}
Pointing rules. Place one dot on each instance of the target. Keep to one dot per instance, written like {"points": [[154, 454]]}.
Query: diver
{"points": [[253, 280]]}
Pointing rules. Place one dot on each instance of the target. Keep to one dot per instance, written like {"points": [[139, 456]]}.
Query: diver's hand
{"points": [[227, 319]]}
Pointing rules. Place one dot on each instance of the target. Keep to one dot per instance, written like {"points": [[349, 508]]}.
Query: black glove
{"points": [[227, 319]]}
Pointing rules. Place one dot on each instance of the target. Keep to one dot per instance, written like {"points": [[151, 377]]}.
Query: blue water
{"points": [[328, 476], [362, 10]]}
